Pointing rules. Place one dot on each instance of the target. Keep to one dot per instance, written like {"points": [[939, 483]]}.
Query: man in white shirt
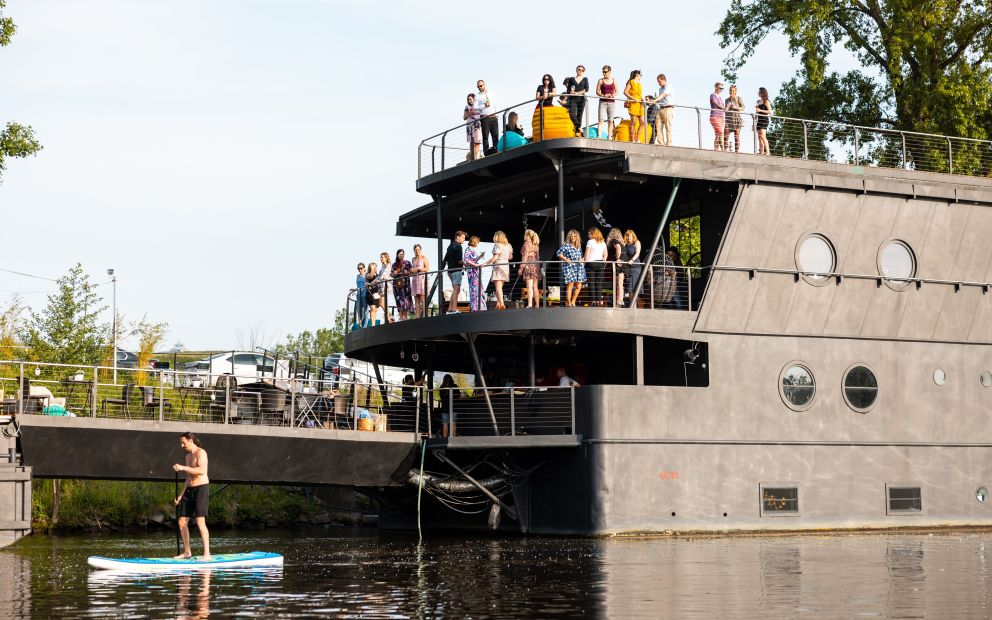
{"points": [[490, 123], [564, 380], [661, 110]]}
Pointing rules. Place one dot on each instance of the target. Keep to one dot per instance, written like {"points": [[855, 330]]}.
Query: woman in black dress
{"points": [[546, 91], [579, 86], [764, 111]]}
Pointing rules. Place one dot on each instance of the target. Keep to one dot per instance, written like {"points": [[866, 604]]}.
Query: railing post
{"points": [[650, 268], [292, 403], [451, 412], [434, 159], [754, 133], [161, 396], [950, 157], [227, 401], [513, 414], [688, 285], [857, 147], [585, 116], [96, 382], [905, 162], [541, 104], [699, 127], [805, 141], [572, 390], [443, 136]]}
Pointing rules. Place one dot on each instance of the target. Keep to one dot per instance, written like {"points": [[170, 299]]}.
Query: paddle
{"points": [[178, 549]]}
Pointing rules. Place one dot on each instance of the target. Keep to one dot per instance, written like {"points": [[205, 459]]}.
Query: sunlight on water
{"points": [[363, 573]]}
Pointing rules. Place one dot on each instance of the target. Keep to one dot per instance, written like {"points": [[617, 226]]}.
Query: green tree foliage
{"points": [[15, 140], [320, 343], [925, 68], [67, 330]]}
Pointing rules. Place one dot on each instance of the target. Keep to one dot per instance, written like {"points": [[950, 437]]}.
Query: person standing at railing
{"points": [[383, 281], [472, 115], [545, 94], [448, 393], [632, 261], [490, 124], [634, 93], [400, 274], [372, 295], [578, 86], [678, 273], [763, 110], [453, 262], [473, 262], [734, 106], [717, 116], [418, 281], [606, 90], [502, 255], [614, 262], [530, 266], [361, 307], [660, 112], [594, 259], [572, 271]]}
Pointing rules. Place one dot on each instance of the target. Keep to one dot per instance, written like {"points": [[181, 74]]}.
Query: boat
{"points": [[820, 361], [252, 559]]}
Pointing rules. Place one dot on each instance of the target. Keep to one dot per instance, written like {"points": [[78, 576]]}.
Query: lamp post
{"points": [[113, 279]]}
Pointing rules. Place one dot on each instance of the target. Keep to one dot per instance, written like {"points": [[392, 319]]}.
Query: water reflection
{"points": [[365, 574]]}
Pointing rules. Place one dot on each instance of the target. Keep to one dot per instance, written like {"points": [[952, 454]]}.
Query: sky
{"points": [[232, 160]]}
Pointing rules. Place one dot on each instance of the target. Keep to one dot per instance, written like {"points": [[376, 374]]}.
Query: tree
{"points": [[925, 68], [321, 343], [150, 336], [15, 140], [67, 330]]}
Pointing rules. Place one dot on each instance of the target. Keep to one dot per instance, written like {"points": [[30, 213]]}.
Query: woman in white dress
{"points": [[502, 255]]}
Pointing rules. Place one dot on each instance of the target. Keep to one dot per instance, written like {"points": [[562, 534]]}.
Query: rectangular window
{"points": [[779, 500], [904, 499]]}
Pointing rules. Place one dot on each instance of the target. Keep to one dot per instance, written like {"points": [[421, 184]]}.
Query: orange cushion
{"points": [[557, 123]]}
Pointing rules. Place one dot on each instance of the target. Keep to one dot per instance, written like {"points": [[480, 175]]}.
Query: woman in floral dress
{"points": [[530, 266], [400, 273], [473, 262], [573, 271]]}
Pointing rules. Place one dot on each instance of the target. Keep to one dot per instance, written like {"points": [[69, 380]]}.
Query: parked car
{"points": [[126, 359], [240, 366], [336, 369]]}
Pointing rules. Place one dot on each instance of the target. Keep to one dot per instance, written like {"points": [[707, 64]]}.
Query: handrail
{"points": [[986, 286], [882, 146]]}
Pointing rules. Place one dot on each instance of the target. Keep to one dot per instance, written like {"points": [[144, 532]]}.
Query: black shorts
{"points": [[195, 501]]}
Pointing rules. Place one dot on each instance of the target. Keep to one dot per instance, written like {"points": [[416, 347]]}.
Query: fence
{"points": [[692, 128], [607, 284], [30, 388]]}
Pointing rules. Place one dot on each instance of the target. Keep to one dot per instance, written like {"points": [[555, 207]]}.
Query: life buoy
{"points": [[557, 123]]}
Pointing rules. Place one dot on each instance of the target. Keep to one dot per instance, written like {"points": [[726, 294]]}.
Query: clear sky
{"points": [[233, 159]]}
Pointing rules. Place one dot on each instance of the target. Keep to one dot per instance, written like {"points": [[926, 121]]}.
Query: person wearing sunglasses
{"points": [[490, 124], [606, 90], [579, 86], [546, 91]]}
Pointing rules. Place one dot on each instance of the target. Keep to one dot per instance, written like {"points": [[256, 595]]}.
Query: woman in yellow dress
{"points": [[635, 95]]}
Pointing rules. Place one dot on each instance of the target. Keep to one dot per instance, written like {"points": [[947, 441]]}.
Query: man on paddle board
{"points": [[193, 501]]}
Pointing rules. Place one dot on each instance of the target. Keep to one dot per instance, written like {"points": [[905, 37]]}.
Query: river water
{"points": [[352, 573]]}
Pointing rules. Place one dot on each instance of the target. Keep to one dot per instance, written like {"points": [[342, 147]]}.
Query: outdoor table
{"points": [[184, 394]]}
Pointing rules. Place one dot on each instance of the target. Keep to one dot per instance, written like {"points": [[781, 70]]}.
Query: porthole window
{"points": [[982, 494], [815, 257], [797, 386], [896, 263], [939, 376], [985, 378], [860, 388]]}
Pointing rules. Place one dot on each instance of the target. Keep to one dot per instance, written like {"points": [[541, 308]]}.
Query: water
{"points": [[349, 573]]}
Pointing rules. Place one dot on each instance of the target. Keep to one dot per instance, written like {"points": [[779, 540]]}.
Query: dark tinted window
{"points": [[860, 387]]}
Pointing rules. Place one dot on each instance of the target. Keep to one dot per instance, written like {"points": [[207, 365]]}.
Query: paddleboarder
{"points": [[193, 500]]}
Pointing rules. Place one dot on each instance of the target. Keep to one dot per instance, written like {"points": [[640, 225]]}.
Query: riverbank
{"points": [[121, 506]]}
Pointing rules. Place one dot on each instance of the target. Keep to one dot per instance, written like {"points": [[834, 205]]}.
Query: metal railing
{"points": [[605, 284], [691, 128], [35, 388]]}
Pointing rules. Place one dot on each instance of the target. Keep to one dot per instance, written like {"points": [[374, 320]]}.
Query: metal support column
{"points": [[636, 291], [531, 366], [638, 360], [482, 379], [439, 280], [560, 213]]}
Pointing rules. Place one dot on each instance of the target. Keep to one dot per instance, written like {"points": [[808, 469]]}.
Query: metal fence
{"points": [[606, 284], [692, 128], [30, 388]]}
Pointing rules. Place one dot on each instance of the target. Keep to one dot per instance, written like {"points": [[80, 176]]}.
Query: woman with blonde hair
{"points": [[634, 93], [631, 259], [418, 282], [594, 259], [573, 272], [383, 281], [614, 262], [473, 262], [530, 266], [502, 255]]}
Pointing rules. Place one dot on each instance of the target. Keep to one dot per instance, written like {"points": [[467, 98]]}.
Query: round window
{"points": [[860, 388], [815, 257], [896, 263], [982, 494], [939, 376], [797, 387], [985, 378]]}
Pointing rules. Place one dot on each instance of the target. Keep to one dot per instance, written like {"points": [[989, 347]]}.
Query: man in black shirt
{"points": [[453, 263]]}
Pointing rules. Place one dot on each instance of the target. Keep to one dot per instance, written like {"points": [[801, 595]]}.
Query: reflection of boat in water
{"points": [[825, 363]]}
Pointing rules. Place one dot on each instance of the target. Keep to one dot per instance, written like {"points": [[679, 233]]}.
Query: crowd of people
{"points": [[655, 110], [607, 268]]}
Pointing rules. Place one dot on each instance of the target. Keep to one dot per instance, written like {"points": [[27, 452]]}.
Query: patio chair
{"points": [[151, 404], [124, 401], [33, 401]]}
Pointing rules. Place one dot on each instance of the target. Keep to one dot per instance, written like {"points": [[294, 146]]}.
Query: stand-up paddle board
{"points": [[253, 559]]}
